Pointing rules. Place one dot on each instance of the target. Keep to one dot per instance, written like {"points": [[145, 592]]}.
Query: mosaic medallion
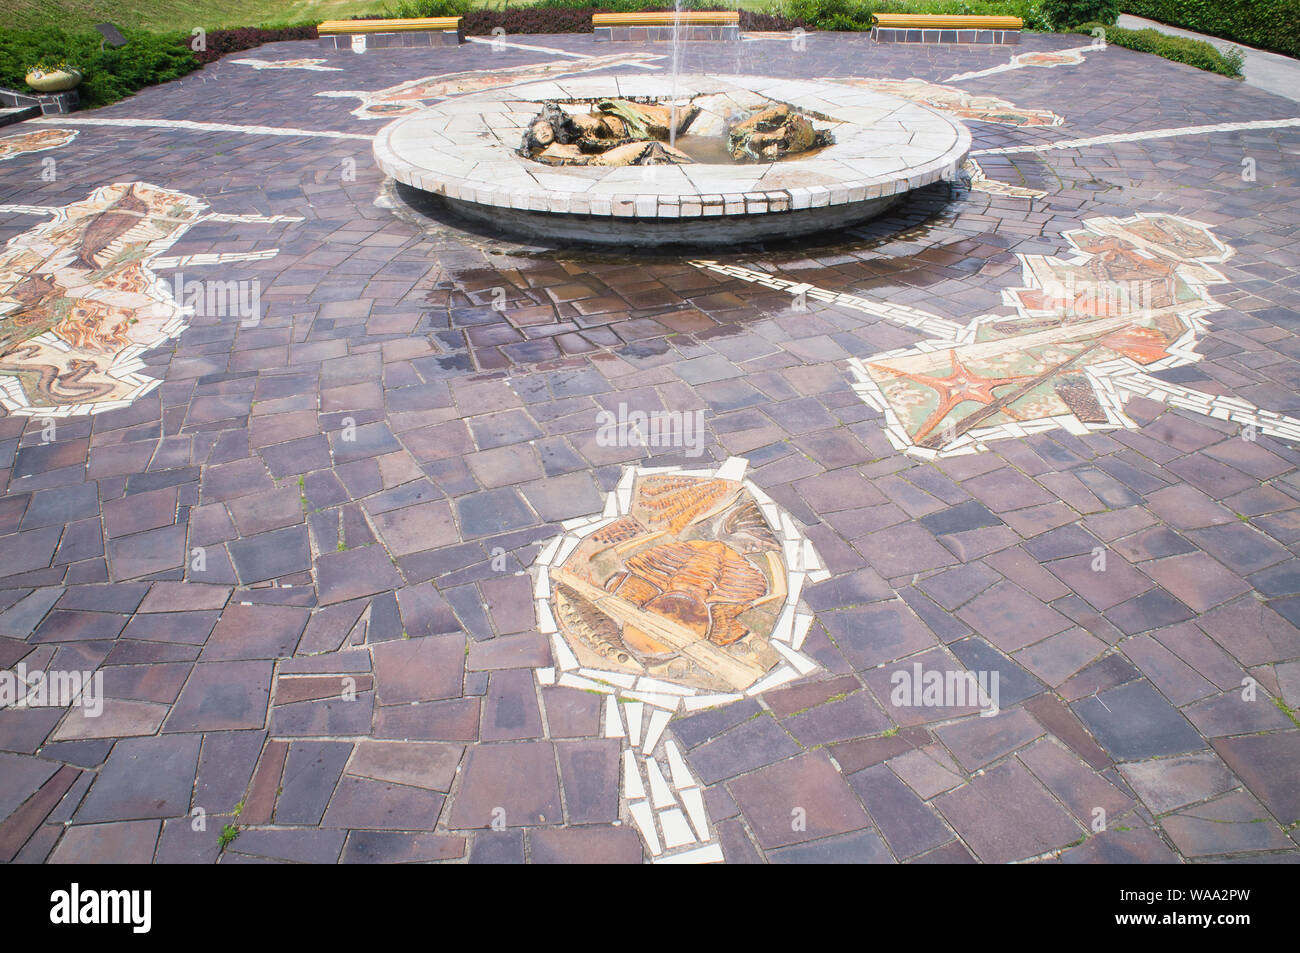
{"points": [[1086, 334], [411, 96], [682, 594], [38, 141], [80, 301], [957, 102], [1043, 59]]}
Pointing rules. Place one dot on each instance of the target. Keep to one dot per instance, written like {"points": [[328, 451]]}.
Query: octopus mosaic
{"points": [[1087, 334], [80, 301], [682, 594]]}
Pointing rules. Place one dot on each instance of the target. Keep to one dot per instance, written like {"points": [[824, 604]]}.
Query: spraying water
{"points": [[677, 59]]}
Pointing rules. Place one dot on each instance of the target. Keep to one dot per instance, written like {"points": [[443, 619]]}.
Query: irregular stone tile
{"points": [[143, 778], [589, 771], [255, 632], [907, 824], [223, 696], [427, 765], [498, 847], [1230, 824], [356, 572], [1134, 722], [585, 845], [519, 778], [270, 555], [311, 771], [750, 745], [226, 765], [1230, 714], [860, 847], [412, 670], [798, 800], [120, 718], [1118, 845], [1081, 790], [978, 812], [870, 635], [1166, 784], [287, 844], [359, 803], [571, 713], [510, 712], [453, 720], [1270, 766], [123, 842], [1010, 618], [977, 741], [388, 847]]}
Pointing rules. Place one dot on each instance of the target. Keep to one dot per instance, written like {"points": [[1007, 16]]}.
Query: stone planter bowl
{"points": [[54, 81]]}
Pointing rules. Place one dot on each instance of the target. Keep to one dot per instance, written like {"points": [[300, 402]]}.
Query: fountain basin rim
{"points": [[462, 149]]}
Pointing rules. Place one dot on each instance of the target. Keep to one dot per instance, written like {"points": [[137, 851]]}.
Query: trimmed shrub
{"points": [[1180, 49], [1068, 13], [109, 74], [1266, 24], [221, 42]]}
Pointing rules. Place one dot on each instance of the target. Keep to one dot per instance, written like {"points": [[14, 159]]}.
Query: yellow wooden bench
{"points": [[667, 18], [418, 31], [694, 25], [944, 28]]}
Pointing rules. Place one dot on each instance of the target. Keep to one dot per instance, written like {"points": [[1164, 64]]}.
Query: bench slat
{"points": [[690, 17], [933, 21], [388, 26]]}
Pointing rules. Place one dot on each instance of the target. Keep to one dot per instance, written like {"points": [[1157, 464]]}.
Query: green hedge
{"points": [[1068, 13], [1180, 49], [856, 14], [1267, 24], [109, 74]]}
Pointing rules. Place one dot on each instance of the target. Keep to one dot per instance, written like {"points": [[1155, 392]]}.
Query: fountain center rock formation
{"points": [[774, 133], [614, 132], [619, 132]]}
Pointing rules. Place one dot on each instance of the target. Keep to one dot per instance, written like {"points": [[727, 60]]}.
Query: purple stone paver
{"points": [[279, 557], [798, 800], [1004, 816]]}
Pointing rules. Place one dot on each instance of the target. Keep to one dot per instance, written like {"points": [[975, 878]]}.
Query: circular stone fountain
{"points": [[464, 150]]}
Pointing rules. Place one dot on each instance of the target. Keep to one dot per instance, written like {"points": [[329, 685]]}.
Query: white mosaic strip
{"points": [[307, 64], [982, 183], [1142, 136], [899, 314], [191, 125]]}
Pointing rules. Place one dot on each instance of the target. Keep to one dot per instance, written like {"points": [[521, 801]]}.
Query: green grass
{"points": [[172, 15]]}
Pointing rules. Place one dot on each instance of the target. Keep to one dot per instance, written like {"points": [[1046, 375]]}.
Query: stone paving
{"points": [[303, 561]]}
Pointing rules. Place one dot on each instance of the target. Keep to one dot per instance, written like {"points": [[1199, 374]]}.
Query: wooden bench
{"points": [[941, 28], [694, 25], [360, 35]]}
